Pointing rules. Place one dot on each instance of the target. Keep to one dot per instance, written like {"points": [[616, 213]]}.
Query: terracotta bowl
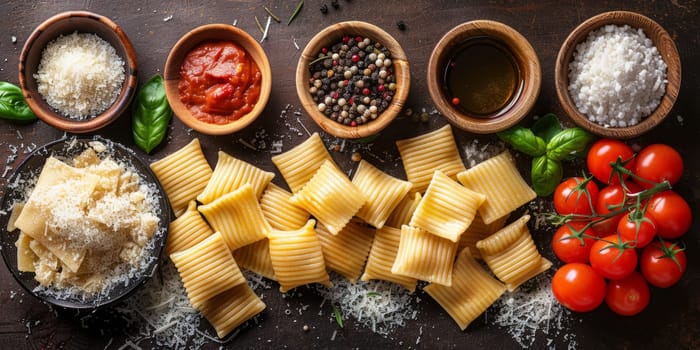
{"points": [[63, 24], [525, 59], [215, 32], [663, 42], [328, 37]]}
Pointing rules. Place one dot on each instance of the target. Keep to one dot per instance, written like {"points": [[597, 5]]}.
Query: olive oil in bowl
{"points": [[481, 78]]}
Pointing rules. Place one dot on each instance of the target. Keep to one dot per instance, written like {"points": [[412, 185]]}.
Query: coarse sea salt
{"points": [[617, 76]]}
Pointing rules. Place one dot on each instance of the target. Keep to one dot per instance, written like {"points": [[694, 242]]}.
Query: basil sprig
{"points": [[12, 104], [549, 145], [150, 114]]}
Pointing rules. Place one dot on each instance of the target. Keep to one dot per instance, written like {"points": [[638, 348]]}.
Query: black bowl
{"points": [[30, 169]]}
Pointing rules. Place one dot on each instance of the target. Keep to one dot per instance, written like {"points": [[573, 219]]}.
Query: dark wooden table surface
{"points": [[672, 320]]}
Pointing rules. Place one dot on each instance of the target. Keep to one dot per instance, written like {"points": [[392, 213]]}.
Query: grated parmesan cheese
{"points": [[80, 75], [377, 305]]}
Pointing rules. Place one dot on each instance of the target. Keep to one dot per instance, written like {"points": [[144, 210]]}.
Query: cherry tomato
{"points": [[612, 197], [606, 151], [628, 296], [637, 227], [571, 246], [578, 287], [575, 195], [657, 163], [612, 258], [663, 265], [671, 214]]}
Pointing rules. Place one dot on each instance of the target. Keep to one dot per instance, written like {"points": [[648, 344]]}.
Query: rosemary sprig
{"points": [[260, 28], [373, 294], [319, 59], [296, 12], [269, 12], [338, 317]]}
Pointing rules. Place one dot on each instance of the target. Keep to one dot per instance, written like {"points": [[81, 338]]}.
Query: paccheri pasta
{"points": [[230, 174], [187, 230], [300, 163], [425, 256], [346, 252], [384, 192], [86, 222], [381, 258]]}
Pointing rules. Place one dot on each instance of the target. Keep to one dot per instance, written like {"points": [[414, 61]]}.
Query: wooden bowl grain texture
{"points": [[663, 42], [328, 37], [215, 32], [525, 58], [63, 24]]}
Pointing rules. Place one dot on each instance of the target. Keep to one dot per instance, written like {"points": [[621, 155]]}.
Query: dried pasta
{"points": [[425, 256], [256, 257], [447, 208], [207, 269], [299, 164], [231, 308], [473, 290], [477, 231], [183, 175], [279, 211], [330, 197], [404, 211], [187, 230], [297, 257], [383, 191], [423, 154], [512, 255], [230, 174], [237, 215], [500, 181], [382, 256], [346, 252]]}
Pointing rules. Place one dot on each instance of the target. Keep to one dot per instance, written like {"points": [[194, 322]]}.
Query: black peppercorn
{"points": [[335, 4], [400, 24], [324, 9]]}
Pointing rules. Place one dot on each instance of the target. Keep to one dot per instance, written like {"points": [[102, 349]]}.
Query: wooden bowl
{"points": [[328, 37], [663, 42], [215, 32], [63, 24], [525, 59]]}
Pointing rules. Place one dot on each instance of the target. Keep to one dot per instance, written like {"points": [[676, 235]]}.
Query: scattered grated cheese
{"points": [[166, 19], [475, 152], [377, 305], [532, 310], [267, 29]]}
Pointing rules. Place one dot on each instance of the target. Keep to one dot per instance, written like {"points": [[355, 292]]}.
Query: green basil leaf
{"points": [[546, 127], [150, 114], [523, 140], [12, 103], [546, 175], [568, 144]]}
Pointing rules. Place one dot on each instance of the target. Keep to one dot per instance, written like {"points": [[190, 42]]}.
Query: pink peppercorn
{"points": [[355, 58], [365, 91]]}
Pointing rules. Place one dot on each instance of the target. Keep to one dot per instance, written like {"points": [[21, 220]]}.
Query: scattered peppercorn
{"points": [[401, 25], [424, 117], [335, 4], [356, 157], [455, 101], [306, 327], [324, 9]]}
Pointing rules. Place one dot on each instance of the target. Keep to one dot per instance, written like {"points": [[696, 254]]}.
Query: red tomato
{"points": [[640, 230], [575, 195], [606, 151], [628, 296], [612, 258], [657, 163], [612, 197], [571, 246], [578, 287], [671, 214], [663, 265]]}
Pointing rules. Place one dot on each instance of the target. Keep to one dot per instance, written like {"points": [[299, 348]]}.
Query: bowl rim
{"points": [[144, 171], [120, 104], [518, 46], [670, 56], [171, 76], [402, 73]]}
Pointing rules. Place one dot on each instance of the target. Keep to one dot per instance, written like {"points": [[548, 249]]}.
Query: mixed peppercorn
{"points": [[353, 80]]}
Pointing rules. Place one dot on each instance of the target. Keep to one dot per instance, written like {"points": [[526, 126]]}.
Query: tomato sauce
{"points": [[219, 82]]}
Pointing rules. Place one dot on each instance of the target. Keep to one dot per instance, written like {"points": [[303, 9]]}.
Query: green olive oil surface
{"points": [[481, 78]]}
